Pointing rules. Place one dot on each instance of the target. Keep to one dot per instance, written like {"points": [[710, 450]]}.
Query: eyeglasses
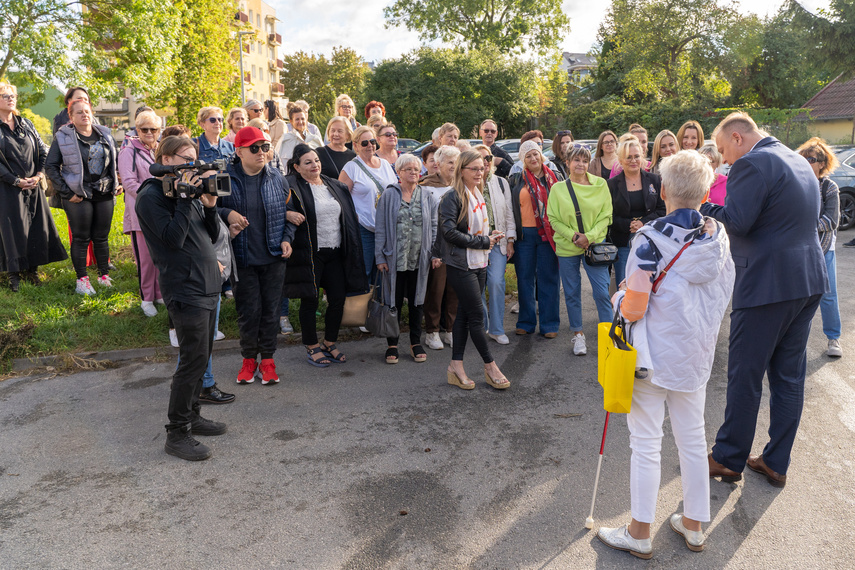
{"points": [[474, 168], [609, 142], [9, 97], [148, 130], [390, 135], [346, 106], [813, 159], [254, 148], [372, 142], [213, 120], [411, 171], [259, 110], [187, 158]]}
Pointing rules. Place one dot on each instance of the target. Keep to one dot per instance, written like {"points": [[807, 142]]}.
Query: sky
{"points": [[320, 25]]}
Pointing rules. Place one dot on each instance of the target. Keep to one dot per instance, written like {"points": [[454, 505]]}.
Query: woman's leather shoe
{"points": [[756, 463]]}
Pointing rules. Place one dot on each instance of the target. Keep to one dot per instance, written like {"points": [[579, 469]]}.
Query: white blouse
{"points": [[365, 192], [327, 214]]}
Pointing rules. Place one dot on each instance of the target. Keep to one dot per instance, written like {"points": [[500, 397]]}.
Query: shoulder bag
{"points": [[615, 365], [602, 253], [382, 320]]}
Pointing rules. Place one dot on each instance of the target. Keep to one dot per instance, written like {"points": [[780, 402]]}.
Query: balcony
{"points": [[277, 89], [274, 39], [242, 17], [276, 65], [247, 77]]}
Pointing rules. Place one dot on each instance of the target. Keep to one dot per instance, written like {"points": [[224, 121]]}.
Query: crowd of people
{"points": [[341, 208]]}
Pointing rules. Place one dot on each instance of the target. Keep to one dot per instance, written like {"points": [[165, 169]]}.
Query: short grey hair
{"points": [[406, 160], [445, 152], [252, 103], [576, 151], [686, 178], [712, 153]]}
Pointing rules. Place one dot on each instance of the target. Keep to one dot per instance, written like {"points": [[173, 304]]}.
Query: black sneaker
{"points": [[850, 243], [201, 426], [214, 395], [181, 444]]}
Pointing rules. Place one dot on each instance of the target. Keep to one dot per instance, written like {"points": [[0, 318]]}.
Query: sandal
{"points": [[456, 380], [418, 353], [392, 355], [497, 383], [322, 362], [329, 349]]}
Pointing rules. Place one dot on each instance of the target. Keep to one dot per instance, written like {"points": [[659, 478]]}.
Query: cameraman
{"points": [[180, 234]]}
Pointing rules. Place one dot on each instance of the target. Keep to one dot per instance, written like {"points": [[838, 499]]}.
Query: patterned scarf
{"points": [[539, 195], [477, 225]]}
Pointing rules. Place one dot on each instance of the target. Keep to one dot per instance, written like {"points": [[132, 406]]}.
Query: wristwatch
{"points": [[17, 182]]}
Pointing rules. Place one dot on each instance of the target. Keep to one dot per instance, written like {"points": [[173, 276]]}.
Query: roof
{"points": [[834, 101], [577, 61]]}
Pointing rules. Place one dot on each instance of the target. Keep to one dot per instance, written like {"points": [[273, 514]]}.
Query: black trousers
{"points": [[329, 274], [258, 295], [89, 221], [195, 327], [469, 285], [405, 286]]}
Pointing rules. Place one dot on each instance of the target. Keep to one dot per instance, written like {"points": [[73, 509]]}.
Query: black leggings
{"points": [[89, 221], [329, 274], [405, 286], [469, 286]]}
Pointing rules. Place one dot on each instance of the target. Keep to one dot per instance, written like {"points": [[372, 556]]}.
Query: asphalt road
{"points": [[318, 471]]}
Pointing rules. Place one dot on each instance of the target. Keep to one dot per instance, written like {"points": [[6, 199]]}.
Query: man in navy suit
{"points": [[770, 214]]}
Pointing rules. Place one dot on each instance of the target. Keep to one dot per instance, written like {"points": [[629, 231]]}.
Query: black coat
{"points": [[654, 207], [300, 279], [452, 236]]}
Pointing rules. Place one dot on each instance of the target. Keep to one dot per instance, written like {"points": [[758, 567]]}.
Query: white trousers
{"points": [[645, 438]]}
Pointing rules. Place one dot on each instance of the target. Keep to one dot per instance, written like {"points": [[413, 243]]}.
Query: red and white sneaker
{"points": [[84, 287], [247, 371], [105, 281], [268, 372]]}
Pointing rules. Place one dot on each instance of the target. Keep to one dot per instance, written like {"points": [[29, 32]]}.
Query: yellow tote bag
{"points": [[615, 367]]}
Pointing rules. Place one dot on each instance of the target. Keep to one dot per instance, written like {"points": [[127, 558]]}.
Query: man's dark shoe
{"points": [[756, 463], [14, 282], [214, 395], [201, 426], [719, 470], [850, 243], [181, 444]]}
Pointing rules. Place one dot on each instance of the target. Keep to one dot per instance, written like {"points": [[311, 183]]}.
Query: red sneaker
{"points": [[268, 372], [247, 371]]}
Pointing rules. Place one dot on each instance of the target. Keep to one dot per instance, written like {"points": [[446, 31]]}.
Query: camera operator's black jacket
{"points": [[300, 279], [180, 235]]}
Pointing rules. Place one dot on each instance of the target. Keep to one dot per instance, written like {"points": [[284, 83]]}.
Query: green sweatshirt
{"points": [[595, 202]]}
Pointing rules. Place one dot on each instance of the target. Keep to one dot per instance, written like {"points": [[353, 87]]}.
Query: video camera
{"points": [[219, 185]]}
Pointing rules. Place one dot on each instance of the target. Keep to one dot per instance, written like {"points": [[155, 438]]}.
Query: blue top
{"points": [[208, 153]]}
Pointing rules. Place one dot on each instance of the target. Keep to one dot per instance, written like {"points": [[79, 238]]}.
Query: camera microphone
{"points": [[160, 169]]}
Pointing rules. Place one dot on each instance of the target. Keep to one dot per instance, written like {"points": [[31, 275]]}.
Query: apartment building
{"points": [[261, 63]]}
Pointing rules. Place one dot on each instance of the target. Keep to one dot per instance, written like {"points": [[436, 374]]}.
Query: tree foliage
{"points": [[319, 80], [832, 34], [428, 87], [510, 25]]}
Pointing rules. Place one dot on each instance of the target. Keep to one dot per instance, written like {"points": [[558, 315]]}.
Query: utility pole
{"points": [[240, 36]]}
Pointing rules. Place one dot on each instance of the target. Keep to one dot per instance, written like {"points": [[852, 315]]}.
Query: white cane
{"points": [[589, 522]]}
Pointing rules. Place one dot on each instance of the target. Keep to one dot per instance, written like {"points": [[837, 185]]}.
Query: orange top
{"points": [[526, 209]]}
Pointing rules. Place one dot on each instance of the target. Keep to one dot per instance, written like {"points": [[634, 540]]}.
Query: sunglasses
{"points": [[148, 130], [9, 97], [390, 135], [215, 120], [813, 159], [488, 158], [372, 142], [254, 148], [564, 134], [580, 145], [256, 110], [490, 130]]}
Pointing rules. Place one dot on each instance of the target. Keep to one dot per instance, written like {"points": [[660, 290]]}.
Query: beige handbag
{"points": [[356, 309]]}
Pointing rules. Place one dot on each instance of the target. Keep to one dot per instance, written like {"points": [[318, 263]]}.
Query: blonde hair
{"points": [[624, 143], [376, 122], [344, 98], [447, 128], [147, 117], [690, 125], [686, 178], [712, 153], [348, 130], [465, 159], [657, 146], [359, 131], [6, 86], [206, 112], [259, 124], [818, 148], [233, 113], [492, 169]]}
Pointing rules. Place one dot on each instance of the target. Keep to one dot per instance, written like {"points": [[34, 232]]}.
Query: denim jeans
{"points": [[536, 262], [494, 312], [571, 277], [367, 237], [208, 376], [828, 305], [620, 264]]}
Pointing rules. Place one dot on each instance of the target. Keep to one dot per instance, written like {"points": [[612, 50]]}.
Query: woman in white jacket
{"points": [[498, 193], [676, 311]]}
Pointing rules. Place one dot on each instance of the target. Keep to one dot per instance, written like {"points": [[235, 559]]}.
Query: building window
{"points": [[253, 71], [258, 21], [250, 16]]}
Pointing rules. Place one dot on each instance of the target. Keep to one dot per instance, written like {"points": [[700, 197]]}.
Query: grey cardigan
{"points": [[386, 240]]}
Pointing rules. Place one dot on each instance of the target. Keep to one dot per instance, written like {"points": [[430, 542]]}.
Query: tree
{"points": [[832, 34], [510, 25], [427, 87], [666, 49]]}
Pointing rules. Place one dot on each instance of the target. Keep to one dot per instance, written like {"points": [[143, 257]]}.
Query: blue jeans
{"points": [[620, 264], [571, 277], [367, 237], [208, 376], [494, 313], [283, 311], [536, 262], [828, 305]]}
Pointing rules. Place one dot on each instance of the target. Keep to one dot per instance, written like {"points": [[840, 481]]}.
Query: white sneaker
{"points": [[834, 348], [160, 301], [432, 341], [364, 330], [620, 539], [148, 308], [579, 346], [173, 338], [446, 338], [285, 325], [694, 538], [84, 287], [515, 309], [219, 336], [500, 338], [105, 281]]}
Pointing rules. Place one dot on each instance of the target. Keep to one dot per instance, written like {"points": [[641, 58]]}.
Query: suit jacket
{"points": [[770, 214], [654, 207]]}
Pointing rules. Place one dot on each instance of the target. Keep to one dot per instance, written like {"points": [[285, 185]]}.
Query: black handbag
{"points": [[382, 320], [597, 254]]}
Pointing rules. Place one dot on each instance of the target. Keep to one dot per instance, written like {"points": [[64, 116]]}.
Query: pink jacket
{"points": [[718, 190], [133, 162]]}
